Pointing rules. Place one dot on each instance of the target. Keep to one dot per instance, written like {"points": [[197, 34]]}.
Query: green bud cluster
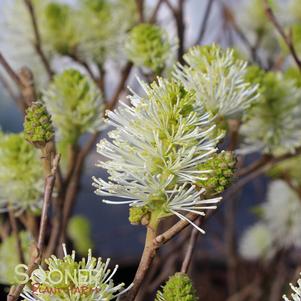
{"points": [[148, 46], [179, 287], [136, 214], [38, 129], [222, 168]]}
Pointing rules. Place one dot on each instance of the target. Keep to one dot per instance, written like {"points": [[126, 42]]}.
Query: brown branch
{"points": [[23, 79], [204, 22], [287, 38], [229, 16], [28, 91], [178, 15], [37, 257], [11, 93], [84, 64], [38, 41], [10, 71], [154, 14], [124, 76], [149, 253], [190, 248], [16, 233], [140, 9]]}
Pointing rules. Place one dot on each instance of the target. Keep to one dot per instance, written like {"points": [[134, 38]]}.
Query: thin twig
{"points": [[37, 257], [140, 9], [149, 253], [10, 71], [287, 38], [204, 22], [124, 76], [38, 41], [154, 14], [190, 248], [16, 233], [11, 92]]}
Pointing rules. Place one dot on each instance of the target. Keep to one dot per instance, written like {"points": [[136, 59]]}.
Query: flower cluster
{"points": [[103, 27], [280, 227], [148, 46], [296, 295], [75, 105], [179, 287], [68, 280], [273, 123], [218, 78], [157, 147], [21, 174], [9, 257], [58, 28]]}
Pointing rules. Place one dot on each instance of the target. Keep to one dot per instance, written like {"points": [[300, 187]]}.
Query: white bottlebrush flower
{"points": [[156, 151], [257, 243], [282, 213], [218, 78], [75, 105], [66, 279], [21, 174], [273, 123], [296, 294]]}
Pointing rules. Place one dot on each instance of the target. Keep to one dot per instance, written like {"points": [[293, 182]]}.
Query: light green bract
{"points": [[273, 123], [218, 78], [86, 280], [148, 46], [75, 105], [21, 174], [9, 256], [155, 150], [179, 287]]}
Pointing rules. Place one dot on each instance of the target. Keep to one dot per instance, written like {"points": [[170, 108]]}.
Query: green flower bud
{"points": [[178, 288], [136, 214], [38, 129], [75, 104], [9, 257], [79, 230], [148, 46], [221, 169]]}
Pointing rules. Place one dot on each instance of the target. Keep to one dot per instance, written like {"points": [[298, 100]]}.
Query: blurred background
{"points": [[238, 24]]}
